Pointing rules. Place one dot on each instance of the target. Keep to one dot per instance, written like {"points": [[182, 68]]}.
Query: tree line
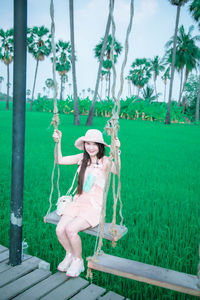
{"points": [[181, 54]]}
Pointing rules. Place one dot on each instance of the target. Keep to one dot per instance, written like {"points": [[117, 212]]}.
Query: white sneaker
{"points": [[76, 267], [64, 265]]}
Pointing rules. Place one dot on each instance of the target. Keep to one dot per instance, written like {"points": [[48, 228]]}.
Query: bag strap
{"points": [[69, 191]]}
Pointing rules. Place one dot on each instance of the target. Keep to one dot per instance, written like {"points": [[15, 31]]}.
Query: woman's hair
{"points": [[85, 162]]}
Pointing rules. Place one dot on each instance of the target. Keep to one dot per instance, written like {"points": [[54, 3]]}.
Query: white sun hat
{"points": [[92, 135]]}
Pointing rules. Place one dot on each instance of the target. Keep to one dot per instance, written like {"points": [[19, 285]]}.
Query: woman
{"points": [[85, 211]]}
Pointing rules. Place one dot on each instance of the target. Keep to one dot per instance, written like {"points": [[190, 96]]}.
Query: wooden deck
{"points": [[33, 280]]}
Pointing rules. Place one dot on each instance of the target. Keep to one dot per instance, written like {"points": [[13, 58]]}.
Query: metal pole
{"points": [[19, 102]]}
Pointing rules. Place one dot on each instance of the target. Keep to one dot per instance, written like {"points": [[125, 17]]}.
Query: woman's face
{"points": [[91, 148]]}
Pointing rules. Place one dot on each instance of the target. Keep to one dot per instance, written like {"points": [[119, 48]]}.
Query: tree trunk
{"points": [[101, 87], [167, 119], [89, 121], [165, 84], [8, 87], [180, 90], [61, 87], [32, 98], [138, 92], [184, 83], [197, 104], [106, 89], [76, 105], [109, 84], [155, 89], [99, 97], [129, 85]]}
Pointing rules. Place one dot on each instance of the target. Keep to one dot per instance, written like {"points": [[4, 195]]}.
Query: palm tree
{"points": [[192, 57], [156, 67], [64, 80], [107, 63], [76, 106], [187, 54], [1, 80], [140, 73], [177, 3], [49, 84], [63, 62], [39, 45], [147, 94], [195, 11], [103, 75], [165, 77], [6, 54]]}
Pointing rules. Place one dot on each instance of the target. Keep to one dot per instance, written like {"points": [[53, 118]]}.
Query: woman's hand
{"points": [[57, 136]]}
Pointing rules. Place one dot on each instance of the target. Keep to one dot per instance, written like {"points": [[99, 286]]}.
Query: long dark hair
{"points": [[85, 162]]}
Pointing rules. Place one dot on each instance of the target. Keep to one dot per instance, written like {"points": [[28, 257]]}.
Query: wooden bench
{"points": [[158, 276]]}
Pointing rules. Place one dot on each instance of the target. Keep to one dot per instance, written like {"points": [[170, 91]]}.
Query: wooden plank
{"points": [[67, 289], [4, 266], [112, 296], [4, 255], [2, 248], [173, 280], [44, 287], [91, 292], [16, 287], [18, 271], [53, 218]]}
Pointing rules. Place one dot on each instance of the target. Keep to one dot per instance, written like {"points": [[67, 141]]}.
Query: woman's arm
{"points": [[65, 160]]}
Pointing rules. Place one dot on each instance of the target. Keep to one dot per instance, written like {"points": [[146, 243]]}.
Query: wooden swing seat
{"points": [[53, 218], [158, 276]]}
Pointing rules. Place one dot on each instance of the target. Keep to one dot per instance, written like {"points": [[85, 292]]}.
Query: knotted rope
{"points": [[55, 119], [113, 125], [112, 128]]}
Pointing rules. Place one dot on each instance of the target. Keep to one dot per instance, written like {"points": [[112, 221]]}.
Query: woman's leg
{"points": [[61, 233], [72, 229]]}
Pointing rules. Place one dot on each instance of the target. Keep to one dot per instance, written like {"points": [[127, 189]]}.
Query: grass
{"points": [[160, 192]]}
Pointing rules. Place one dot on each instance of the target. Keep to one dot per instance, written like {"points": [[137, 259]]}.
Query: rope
{"points": [[115, 125], [126, 48], [52, 186], [55, 119], [111, 128], [120, 93]]}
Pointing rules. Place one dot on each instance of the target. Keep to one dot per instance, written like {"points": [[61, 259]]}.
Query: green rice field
{"points": [[160, 177]]}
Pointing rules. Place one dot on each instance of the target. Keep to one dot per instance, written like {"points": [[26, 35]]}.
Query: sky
{"points": [[153, 26]]}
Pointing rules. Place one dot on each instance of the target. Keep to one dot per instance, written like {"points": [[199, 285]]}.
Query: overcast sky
{"points": [[153, 25]]}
